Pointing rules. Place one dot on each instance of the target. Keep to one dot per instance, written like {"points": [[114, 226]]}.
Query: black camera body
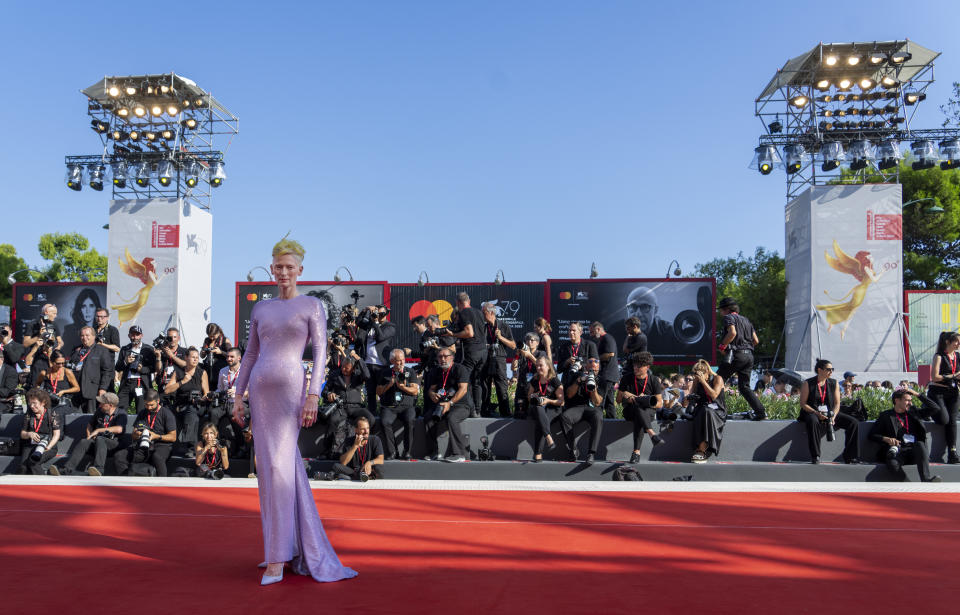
{"points": [[577, 365], [136, 364], [327, 410], [644, 401], [195, 397], [831, 432], [40, 448], [485, 453], [339, 339], [590, 382], [49, 335]]}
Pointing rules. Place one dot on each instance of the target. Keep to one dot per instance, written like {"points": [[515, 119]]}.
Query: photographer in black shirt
{"points": [[362, 460], [213, 353], [154, 432], [902, 436], [39, 435], [500, 343], [574, 352], [433, 337], [171, 355], [820, 413], [584, 402], [190, 387], [525, 368], [609, 367], [343, 398], [136, 364], [107, 335], [374, 342], [736, 349], [397, 390], [44, 337], [94, 370], [640, 394], [468, 328], [9, 377], [103, 433], [450, 396], [545, 403]]}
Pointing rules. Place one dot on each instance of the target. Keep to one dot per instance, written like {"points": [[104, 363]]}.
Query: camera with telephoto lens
{"points": [[40, 448], [144, 441], [590, 381], [644, 401], [363, 476], [219, 398], [327, 411], [692, 399], [19, 400], [48, 335], [101, 338], [196, 397], [431, 342], [442, 396], [163, 340], [134, 365], [539, 401], [55, 400], [339, 340], [577, 365], [485, 454], [893, 451], [831, 432]]}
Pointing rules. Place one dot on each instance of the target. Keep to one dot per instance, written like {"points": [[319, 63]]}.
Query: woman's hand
{"points": [[239, 412], [308, 416]]}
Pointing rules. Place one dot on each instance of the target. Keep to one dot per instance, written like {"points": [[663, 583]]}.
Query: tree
{"points": [[952, 109], [9, 263], [759, 285], [73, 258], [931, 241]]}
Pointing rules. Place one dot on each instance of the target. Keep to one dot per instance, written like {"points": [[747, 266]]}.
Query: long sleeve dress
{"points": [[273, 373]]}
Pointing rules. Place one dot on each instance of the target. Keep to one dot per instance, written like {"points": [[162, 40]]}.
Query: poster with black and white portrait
{"points": [[77, 304]]}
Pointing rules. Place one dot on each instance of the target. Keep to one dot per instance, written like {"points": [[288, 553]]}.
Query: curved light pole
{"points": [[267, 271], [423, 276], [336, 274], [500, 278], [936, 209], [676, 272], [13, 280]]}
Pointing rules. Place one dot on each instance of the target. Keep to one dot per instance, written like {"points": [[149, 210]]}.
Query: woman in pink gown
{"points": [[280, 404]]}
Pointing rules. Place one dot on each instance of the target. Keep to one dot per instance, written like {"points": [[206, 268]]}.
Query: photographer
{"points": [[154, 432], [398, 390], [374, 337], [635, 341], [237, 435], [902, 436], [640, 394], [210, 454], [525, 368], [943, 389], [213, 353], [433, 337], [189, 386], [709, 413], [362, 460], [103, 433], [171, 356], [106, 334], [9, 377], [135, 366], [541, 326], [450, 395], [340, 351], [500, 342], [44, 336], [736, 348], [609, 367], [344, 398], [468, 328], [545, 403], [584, 402], [94, 370], [574, 352], [820, 413], [58, 381], [39, 434]]}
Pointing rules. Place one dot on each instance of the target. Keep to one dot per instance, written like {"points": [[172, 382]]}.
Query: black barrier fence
{"points": [[77, 303], [334, 296], [518, 305]]}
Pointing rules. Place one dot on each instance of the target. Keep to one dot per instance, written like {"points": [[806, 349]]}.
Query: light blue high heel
{"points": [[269, 580]]}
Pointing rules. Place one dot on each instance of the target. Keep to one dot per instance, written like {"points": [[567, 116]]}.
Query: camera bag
{"points": [[626, 473]]}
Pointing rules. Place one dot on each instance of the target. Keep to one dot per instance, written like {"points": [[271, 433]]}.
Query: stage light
{"points": [[775, 127], [167, 134], [840, 97], [141, 172], [888, 155], [193, 172], [134, 135], [99, 126], [114, 91], [840, 112], [949, 154], [139, 111], [889, 82], [198, 102], [165, 172], [118, 135], [164, 89], [131, 90], [799, 101], [123, 112], [794, 157], [854, 59], [74, 177], [96, 173], [877, 58], [827, 113], [831, 154], [831, 59], [926, 153], [765, 157], [823, 85], [826, 126], [151, 136], [861, 153], [173, 110], [912, 98], [844, 84], [853, 111], [189, 123], [900, 57], [119, 170], [217, 174], [868, 111], [867, 84], [156, 110]]}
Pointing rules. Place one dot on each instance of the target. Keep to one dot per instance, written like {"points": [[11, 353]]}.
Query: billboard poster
{"points": [[518, 305], [928, 314], [334, 295], [76, 302], [677, 315]]}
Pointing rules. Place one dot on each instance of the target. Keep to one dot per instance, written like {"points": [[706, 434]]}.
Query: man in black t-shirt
{"points": [[171, 355], [135, 365], [103, 434], [9, 377], [107, 335], [397, 389], [575, 350], [499, 341], [469, 329], [640, 393], [45, 336], [452, 403], [584, 402], [609, 369], [363, 458], [154, 432], [736, 350]]}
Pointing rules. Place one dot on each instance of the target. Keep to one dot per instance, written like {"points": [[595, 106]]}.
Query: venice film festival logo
{"points": [[442, 309]]}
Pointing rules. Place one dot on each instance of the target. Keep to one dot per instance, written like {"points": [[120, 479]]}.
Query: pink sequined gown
{"points": [[273, 374]]}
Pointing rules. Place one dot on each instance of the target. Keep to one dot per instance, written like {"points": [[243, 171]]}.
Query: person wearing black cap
{"points": [[736, 350], [135, 365], [103, 434], [847, 385]]}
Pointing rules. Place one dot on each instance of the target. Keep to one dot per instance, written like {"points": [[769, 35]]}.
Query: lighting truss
{"points": [[824, 97], [156, 120]]}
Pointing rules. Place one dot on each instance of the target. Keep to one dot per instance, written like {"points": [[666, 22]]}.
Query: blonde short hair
{"points": [[289, 246]]}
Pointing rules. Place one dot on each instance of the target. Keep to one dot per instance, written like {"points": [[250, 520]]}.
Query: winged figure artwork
{"points": [[147, 274], [861, 267]]}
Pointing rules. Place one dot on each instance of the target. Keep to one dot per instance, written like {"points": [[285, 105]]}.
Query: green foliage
{"points": [[874, 400], [952, 109], [72, 258], [931, 241], [759, 285], [9, 263]]}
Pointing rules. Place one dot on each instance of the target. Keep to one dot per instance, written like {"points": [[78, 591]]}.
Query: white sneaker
{"points": [[455, 459], [92, 471], [53, 471]]}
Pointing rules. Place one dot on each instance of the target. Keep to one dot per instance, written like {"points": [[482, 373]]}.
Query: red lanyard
{"points": [[210, 458], [230, 380], [540, 386], [155, 415], [446, 375], [37, 422], [529, 365], [953, 362], [84, 357], [575, 350], [491, 332], [822, 391], [905, 422], [53, 383], [637, 387], [362, 453], [106, 420]]}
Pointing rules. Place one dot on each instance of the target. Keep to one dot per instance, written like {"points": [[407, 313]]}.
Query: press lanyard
{"points": [[84, 357], [362, 453], [446, 375], [53, 384], [576, 350], [822, 392], [540, 386], [953, 362], [155, 414], [905, 422], [638, 388], [492, 332], [37, 422]]}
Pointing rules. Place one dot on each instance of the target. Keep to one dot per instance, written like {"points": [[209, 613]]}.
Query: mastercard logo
{"points": [[28, 297], [565, 295], [251, 296], [425, 308]]}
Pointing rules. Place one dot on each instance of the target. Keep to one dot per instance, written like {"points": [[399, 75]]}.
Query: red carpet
{"points": [[178, 550]]}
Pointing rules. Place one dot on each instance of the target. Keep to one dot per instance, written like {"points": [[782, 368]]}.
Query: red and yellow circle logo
{"points": [[425, 308], [565, 295], [251, 296]]}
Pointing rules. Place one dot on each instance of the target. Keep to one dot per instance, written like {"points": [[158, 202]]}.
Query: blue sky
{"points": [[390, 135]]}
